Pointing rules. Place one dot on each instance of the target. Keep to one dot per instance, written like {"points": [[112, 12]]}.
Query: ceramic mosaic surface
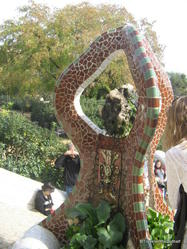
{"points": [[125, 155]]}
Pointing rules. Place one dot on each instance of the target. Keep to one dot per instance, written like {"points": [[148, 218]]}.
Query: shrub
{"points": [[161, 229], [6, 102], [43, 114], [23, 104], [100, 227], [97, 91], [92, 109], [28, 149]]}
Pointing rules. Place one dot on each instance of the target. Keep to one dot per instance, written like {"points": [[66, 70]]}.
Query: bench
{"points": [[19, 218], [20, 191]]}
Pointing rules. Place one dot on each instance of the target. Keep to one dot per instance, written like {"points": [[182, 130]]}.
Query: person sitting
{"points": [[160, 176], [43, 199]]}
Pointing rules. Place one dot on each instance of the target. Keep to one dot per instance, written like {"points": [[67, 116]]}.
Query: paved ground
{"points": [[14, 222]]}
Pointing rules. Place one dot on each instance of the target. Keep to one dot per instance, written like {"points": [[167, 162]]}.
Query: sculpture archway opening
{"points": [[126, 153], [110, 100]]}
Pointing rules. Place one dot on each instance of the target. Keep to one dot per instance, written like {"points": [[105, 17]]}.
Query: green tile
{"points": [[152, 92], [48, 219], [137, 171], [130, 29], [136, 39], [144, 61], [139, 156], [149, 131], [143, 144], [139, 207], [153, 113], [150, 73], [138, 188], [139, 50], [141, 225]]}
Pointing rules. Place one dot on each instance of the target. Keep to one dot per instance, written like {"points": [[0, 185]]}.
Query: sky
{"points": [[170, 18]]}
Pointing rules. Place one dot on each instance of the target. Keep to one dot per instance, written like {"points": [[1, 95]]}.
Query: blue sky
{"points": [[170, 17]]}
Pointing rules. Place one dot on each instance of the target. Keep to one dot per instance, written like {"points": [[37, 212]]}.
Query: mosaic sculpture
{"points": [[123, 156]]}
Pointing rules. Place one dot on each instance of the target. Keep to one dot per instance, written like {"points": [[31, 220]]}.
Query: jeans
{"points": [[69, 189]]}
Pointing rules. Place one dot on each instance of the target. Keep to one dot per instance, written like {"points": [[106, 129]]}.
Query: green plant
{"points": [[92, 109], [23, 104], [96, 228], [28, 149], [43, 114], [97, 91], [161, 229], [8, 105]]}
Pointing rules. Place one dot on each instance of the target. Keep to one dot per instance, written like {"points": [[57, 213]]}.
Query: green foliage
{"points": [[40, 43], [160, 228], [6, 102], [97, 91], [23, 104], [116, 74], [43, 114], [28, 149], [179, 83], [147, 29], [95, 228], [92, 109]]}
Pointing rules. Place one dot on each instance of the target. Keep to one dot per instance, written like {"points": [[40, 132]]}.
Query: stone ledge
{"points": [[20, 191]]}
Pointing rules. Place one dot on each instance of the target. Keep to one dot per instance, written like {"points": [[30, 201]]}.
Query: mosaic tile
{"points": [[151, 82]]}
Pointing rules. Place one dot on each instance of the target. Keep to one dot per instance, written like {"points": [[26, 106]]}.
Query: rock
{"points": [[119, 110]]}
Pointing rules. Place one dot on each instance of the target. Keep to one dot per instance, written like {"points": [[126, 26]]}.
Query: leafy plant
{"points": [[96, 228], [179, 83], [161, 229], [28, 149], [92, 108], [43, 114], [29, 67]]}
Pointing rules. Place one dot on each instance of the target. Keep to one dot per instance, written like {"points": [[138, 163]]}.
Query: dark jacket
{"points": [[42, 203], [71, 168], [180, 219]]}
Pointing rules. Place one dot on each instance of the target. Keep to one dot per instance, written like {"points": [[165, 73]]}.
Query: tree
{"points": [[179, 83], [35, 48], [147, 30], [25, 51]]}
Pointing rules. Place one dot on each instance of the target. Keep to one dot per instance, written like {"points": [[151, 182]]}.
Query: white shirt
{"points": [[176, 170]]}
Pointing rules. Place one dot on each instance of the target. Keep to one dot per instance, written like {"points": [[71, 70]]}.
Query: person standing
{"points": [[160, 176], [176, 167], [70, 161]]}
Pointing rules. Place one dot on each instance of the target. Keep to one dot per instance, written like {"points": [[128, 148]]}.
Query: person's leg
{"points": [[69, 189]]}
